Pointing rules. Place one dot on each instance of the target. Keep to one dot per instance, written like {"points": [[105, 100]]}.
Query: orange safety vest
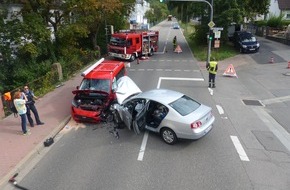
{"points": [[7, 96]]}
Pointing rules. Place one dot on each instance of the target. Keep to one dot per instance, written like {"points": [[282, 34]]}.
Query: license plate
{"points": [[252, 49]]}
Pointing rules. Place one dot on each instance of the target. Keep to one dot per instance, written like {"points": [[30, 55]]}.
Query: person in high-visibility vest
{"points": [[212, 68], [174, 42]]}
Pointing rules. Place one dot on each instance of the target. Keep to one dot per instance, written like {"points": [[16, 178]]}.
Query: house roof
{"points": [[284, 4]]}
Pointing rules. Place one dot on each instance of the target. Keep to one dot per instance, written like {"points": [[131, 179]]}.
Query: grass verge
{"points": [[200, 51]]}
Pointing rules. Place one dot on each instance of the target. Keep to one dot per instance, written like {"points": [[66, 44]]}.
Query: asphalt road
{"points": [[241, 152]]}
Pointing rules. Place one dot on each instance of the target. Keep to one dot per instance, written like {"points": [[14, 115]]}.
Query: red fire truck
{"points": [[130, 44]]}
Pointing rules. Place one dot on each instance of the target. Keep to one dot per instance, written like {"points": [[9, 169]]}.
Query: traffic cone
{"points": [[271, 60]]}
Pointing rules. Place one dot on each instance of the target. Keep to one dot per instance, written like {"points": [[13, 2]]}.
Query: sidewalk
{"points": [[16, 149]]}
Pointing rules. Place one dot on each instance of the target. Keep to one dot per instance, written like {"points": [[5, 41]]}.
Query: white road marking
{"points": [[210, 91], [275, 100], [220, 109], [143, 147], [173, 78], [239, 148]]}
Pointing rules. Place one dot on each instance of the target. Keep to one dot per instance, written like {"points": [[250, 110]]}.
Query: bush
{"points": [[275, 21]]}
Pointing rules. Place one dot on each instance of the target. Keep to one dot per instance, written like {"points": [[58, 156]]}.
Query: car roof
{"points": [[164, 96]]}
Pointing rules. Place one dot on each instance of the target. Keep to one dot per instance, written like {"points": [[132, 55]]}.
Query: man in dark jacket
{"points": [[31, 107]]}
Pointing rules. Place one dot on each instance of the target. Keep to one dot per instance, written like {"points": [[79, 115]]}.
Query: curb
{"points": [[38, 148]]}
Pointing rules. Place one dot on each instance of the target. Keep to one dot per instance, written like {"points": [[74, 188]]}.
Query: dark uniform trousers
{"points": [[31, 107]]}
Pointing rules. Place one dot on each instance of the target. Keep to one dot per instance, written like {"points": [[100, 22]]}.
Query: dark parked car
{"points": [[245, 42]]}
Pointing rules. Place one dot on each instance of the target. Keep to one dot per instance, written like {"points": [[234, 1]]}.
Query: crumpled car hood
{"points": [[125, 88]]}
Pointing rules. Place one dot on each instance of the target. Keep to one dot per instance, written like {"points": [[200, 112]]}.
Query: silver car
{"points": [[171, 114]]}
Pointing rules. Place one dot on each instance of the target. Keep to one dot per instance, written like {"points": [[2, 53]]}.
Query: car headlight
{"points": [[76, 103], [244, 46], [258, 45]]}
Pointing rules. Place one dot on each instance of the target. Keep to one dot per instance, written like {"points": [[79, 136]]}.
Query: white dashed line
{"points": [[220, 109], [210, 91], [143, 147], [239, 148]]}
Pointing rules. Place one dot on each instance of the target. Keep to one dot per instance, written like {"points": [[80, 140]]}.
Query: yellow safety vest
{"points": [[212, 67]]}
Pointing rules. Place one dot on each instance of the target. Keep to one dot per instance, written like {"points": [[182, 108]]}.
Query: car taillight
{"points": [[195, 125]]}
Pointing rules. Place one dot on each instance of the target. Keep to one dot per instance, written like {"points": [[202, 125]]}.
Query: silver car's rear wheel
{"points": [[168, 136]]}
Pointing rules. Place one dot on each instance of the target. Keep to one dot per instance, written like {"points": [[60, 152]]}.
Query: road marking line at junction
{"points": [[168, 69], [220, 109], [173, 78], [239, 148], [276, 100], [143, 147], [210, 91]]}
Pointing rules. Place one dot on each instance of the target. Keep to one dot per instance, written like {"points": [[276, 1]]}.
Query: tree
{"points": [[157, 12]]}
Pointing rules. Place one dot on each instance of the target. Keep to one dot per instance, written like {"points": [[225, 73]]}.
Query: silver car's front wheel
{"points": [[168, 136]]}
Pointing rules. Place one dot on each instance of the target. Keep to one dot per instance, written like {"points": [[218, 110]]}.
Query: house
{"points": [[284, 6], [137, 19], [276, 8]]}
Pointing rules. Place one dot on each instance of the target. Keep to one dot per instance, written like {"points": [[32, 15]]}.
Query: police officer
{"points": [[212, 68], [31, 107]]}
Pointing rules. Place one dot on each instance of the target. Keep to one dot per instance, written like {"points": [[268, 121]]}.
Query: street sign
{"points": [[218, 29], [217, 34], [211, 24], [216, 44]]}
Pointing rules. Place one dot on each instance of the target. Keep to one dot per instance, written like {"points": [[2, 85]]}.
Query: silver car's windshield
{"points": [[184, 105], [95, 84]]}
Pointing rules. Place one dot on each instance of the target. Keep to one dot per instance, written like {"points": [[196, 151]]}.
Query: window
{"points": [[184, 105], [95, 84]]}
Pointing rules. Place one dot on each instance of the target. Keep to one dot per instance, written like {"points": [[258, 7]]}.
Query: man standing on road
{"points": [[30, 106], [174, 43], [212, 68]]}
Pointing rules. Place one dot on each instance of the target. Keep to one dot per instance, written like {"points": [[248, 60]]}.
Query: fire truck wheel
{"points": [[133, 57]]}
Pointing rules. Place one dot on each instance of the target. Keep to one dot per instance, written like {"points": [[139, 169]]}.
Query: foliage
{"points": [[200, 51], [260, 23], [275, 21], [56, 30], [158, 11]]}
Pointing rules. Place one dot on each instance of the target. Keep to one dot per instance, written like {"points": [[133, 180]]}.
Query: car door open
{"points": [[139, 122]]}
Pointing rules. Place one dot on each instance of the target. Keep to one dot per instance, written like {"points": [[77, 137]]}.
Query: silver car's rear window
{"points": [[184, 105]]}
